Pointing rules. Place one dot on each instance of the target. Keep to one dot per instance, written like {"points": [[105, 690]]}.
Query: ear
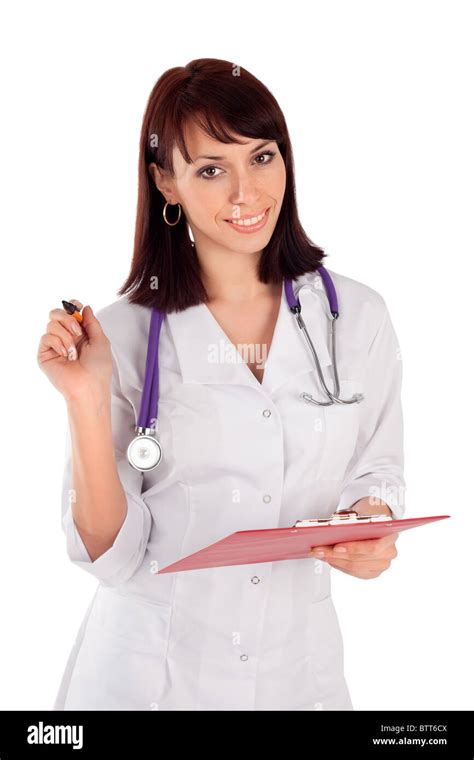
{"points": [[162, 182]]}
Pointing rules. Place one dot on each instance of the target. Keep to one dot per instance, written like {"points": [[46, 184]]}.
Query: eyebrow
{"points": [[222, 158]]}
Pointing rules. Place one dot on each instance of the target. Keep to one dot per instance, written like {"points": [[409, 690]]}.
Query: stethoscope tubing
{"points": [[149, 402], [150, 393]]}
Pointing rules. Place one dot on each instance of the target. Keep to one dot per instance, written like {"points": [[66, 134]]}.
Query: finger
{"points": [[359, 564], [364, 574], [91, 324], [374, 547], [68, 320], [320, 551], [384, 552], [51, 346], [55, 328], [367, 562], [69, 343], [76, 303], [368, 548]]}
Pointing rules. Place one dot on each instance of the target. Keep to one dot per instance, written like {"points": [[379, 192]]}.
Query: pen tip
{"points": [[70, 307]]}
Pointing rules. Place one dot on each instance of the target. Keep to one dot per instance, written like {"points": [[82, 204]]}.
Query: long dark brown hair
{"points": [[224, 100]]}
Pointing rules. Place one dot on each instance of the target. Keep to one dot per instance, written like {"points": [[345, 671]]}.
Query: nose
{"points": [[245, 190]]}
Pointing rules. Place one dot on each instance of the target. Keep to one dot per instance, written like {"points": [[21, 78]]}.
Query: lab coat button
{"points": [[266, 412], [244, 657], [267, 498], [255, 579]]}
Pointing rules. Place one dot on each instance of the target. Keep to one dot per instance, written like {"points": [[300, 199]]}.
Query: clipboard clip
{"points": [[338, 518]]}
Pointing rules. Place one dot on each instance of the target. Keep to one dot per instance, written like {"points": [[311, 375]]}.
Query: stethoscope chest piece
{"points": [[144, 451]]}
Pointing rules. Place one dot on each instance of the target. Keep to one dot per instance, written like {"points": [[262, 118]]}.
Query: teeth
{"points": [[248, 222]]}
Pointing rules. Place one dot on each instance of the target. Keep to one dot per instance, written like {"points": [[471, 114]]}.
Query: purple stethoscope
{"points": [[145, 452]]}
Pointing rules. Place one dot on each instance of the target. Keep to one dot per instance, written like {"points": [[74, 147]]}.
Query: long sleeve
{"points": [[124, 557], [376, 468]]}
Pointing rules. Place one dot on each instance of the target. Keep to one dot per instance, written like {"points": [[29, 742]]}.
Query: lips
{"points": [[248, 216], [248, 229]]}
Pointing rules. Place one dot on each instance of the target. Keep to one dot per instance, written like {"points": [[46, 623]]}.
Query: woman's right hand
{"points": [[76, 357]]}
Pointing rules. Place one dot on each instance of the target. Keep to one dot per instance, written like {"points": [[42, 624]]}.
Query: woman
{"points": [[241, 449]]}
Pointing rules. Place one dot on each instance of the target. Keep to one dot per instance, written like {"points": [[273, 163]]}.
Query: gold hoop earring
{"points": [[171, 224]]}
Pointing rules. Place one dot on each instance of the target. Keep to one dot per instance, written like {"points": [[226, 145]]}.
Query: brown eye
{"points": [[266, 153], [208, 169], [203, 172]]}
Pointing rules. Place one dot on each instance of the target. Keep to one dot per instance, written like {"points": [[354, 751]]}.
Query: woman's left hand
{"points": [[363, 559]]}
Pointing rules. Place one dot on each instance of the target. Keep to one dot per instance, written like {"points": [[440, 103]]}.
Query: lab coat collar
{"points": [[206, 355]]}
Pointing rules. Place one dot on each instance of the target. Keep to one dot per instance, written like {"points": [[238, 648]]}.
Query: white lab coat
{"points": [[237, 455]]}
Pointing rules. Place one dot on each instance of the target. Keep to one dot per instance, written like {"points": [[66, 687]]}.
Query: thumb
{"points": [[90, 323]]}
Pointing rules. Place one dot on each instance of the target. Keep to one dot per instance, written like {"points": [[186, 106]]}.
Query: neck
{"points": [[232, 278]]}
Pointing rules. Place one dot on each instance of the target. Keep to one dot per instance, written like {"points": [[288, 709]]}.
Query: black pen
{"points": [[71, 308]]}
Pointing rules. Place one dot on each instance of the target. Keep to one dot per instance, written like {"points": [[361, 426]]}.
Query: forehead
{"points": [[199, 143]]}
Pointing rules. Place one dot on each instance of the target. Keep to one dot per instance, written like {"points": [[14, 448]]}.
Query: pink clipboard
{"points": [[274, 544]]}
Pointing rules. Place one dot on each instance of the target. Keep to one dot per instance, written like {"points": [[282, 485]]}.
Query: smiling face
{"points": [[231, 194]]}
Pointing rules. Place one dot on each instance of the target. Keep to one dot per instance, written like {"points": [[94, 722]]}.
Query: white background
{"points": [[378, 101]]}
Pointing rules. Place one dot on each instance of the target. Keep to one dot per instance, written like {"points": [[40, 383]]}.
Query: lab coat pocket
{"points": [[339, 425], [121, 661], [326, 655]]}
